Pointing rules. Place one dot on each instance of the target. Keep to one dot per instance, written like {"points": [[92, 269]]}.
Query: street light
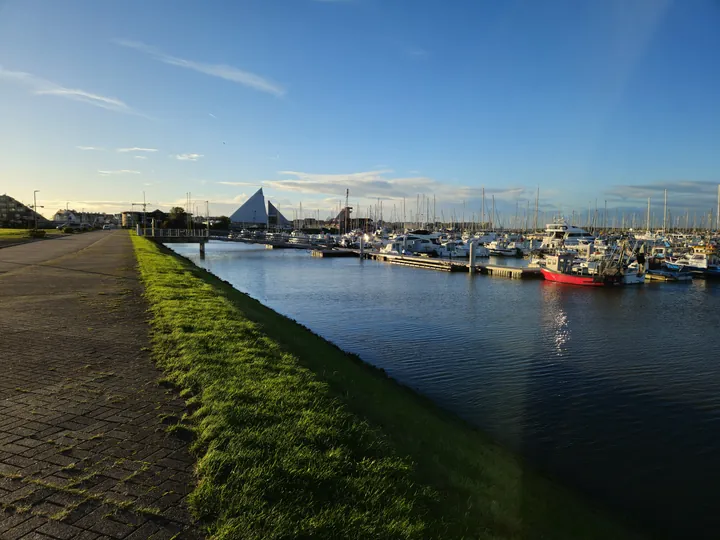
{"points": [[35, 205]]}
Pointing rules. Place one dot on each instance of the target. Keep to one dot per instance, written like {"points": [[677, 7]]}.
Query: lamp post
{"points": [[35, 206]]}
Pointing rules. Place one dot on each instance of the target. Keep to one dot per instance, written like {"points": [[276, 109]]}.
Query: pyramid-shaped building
{"points": [[276, 219], [252, 212]]}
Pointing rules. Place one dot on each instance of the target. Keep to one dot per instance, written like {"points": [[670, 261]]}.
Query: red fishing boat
{"points": [[560, 268]]}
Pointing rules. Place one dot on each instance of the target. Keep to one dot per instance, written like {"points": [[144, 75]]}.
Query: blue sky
{"points": [[598, 99]]}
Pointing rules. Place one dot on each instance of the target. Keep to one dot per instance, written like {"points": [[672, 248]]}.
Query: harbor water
{"points": [[614, 392]]}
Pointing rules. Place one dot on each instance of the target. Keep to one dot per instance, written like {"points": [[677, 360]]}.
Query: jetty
{"points": [[450, 265]]}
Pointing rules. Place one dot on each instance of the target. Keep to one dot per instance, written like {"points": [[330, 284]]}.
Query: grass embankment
{"points": [[24, 233], [10, 237], [296, 439]]}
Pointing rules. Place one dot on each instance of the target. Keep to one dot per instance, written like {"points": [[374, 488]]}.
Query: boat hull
{"points": [[569, 279]]}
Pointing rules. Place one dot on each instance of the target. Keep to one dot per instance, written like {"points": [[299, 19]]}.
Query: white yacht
{"points": [[414, 242], [561, 234]]}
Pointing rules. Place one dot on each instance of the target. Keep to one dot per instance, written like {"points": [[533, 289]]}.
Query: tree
{"points": [[222, 223], [177, 219]]}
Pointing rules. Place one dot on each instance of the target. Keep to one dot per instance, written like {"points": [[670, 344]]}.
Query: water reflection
{"points": [[556, 318]]}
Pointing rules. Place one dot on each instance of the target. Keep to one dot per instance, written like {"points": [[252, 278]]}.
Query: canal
{"points": [[614, 392]]}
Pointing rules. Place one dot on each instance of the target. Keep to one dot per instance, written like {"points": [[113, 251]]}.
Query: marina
{"points": [[591, 386]]}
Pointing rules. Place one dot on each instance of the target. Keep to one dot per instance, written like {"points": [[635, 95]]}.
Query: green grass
{"points": [[22, 233], [296, 439]]}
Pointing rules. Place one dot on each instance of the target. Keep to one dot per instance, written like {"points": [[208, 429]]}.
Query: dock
{"points": [[335, 253], [513, 272], [445, 265]]}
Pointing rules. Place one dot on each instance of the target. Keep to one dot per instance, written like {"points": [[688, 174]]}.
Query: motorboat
{"points": [[299, 237], [502, 248], [560, 233]]}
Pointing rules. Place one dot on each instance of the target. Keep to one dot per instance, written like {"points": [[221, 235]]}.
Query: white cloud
{"points": [[188, 157], [381, 184], [43, 87], [229, 73], [121, 171], [257, 184], [140, 157], [137, 149], [88, 148], [212, 115]]}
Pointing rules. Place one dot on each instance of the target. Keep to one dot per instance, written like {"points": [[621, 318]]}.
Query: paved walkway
{"points": [[83, 448]]}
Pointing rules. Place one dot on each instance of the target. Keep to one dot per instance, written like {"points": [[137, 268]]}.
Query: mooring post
{"points": [[202, 250], [471, 262], [362, 247], [404, 244]]}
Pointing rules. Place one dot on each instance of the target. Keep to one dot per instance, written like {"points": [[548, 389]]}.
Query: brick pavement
{"points": [[84, 451]]}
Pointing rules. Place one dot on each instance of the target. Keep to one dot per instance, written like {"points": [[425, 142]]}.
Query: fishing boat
{"points": [[616, 268], [560, 268]]}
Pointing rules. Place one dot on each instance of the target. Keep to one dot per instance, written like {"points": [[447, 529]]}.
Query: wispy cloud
{"points": [[682, 194], [43, 87], [121, 171], [229, 73], [383, 184], [211, 115], [188, 157], [137, 149], [140, 157], [89, 148], [256, 184]]}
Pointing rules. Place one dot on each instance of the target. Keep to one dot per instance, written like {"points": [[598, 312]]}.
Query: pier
{"points": [[176, 236], [445, 265]]}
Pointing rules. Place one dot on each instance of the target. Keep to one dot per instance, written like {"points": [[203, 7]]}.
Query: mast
{"points": [[665, 213], [537, 203], [648, 216], [717, 216], [492, 216], [404, 227], [482, 218], [434, 214], [605, 224], [527, 216], [347, 209]]}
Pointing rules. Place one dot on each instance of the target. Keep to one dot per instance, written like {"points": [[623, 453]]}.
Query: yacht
{"points": [[414, 242], [501, 248], [561, 234]]}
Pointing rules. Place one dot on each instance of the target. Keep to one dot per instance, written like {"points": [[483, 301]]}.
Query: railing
{"points": [[173, 233]]}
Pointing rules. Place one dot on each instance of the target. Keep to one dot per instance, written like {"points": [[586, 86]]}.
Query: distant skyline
{"points": [[607, 100]]}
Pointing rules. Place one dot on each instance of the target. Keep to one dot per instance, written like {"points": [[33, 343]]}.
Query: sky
{"points": [[597, 100]]}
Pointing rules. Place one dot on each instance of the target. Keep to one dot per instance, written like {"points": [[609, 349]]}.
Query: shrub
{"points": [[68, 230], [36, 233]]}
